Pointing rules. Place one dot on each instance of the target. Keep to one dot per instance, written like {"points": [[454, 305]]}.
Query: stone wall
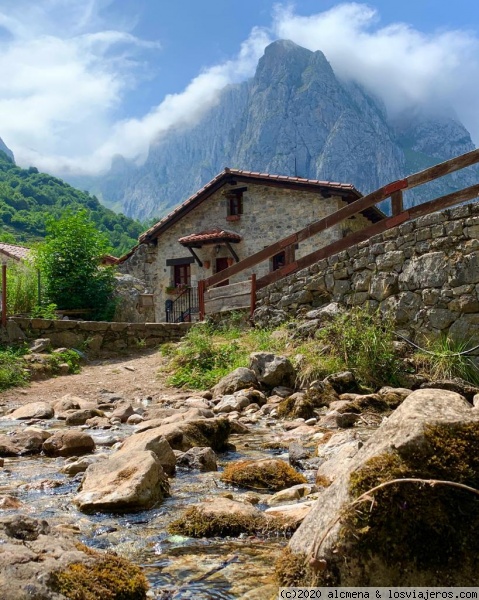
{"points": [[425, 274], [269, 214], [95, 337]]}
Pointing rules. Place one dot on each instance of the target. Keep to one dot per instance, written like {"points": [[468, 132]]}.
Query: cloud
{"points": [[64, 75], [401, 65]]}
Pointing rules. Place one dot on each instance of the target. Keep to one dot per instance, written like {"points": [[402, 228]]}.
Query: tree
{"points": [[69, 260]]}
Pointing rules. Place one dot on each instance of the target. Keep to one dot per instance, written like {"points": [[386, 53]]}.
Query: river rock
{"points": [[176, 416], [33, 410], [239, 379], [219, 517], [342, 382], [34, 559], [431, 435], [453, 385], [68, 443], [74, 466], [126, 481], [200, 432], [272, 370], [203, 459], [81, 416], [21, 442], [153, 440], [265, 474], [231, 403], [123, 411], [394, 396], [10, 503]]}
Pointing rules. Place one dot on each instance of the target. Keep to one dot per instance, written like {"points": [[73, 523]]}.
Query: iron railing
{"points": [[184, 308]]}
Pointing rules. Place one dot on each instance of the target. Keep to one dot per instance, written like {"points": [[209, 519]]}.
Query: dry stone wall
{"points": [[97, 336], [425, 274]]}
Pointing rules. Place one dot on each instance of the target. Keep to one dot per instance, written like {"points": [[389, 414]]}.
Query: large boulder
{"points": [[407, 533], [127, 481], [239, 379], [32, 410], [152, 440], [69, 443], [39, 562], [203, 459], [272, 370], [184, 435]]}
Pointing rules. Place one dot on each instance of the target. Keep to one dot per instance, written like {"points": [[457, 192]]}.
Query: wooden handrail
{"points": [[393, 189]]}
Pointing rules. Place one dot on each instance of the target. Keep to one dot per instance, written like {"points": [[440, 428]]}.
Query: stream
{"points": [[176, 567]]}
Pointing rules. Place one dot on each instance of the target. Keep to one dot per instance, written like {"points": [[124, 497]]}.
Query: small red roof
{"points": [[210, 237], [16, 252]]}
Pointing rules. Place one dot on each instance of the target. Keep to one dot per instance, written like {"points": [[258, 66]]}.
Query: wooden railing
{"points": [[393, 190]]}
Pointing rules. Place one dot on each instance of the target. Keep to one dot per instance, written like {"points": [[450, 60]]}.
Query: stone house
{"points": [[233, 216]]}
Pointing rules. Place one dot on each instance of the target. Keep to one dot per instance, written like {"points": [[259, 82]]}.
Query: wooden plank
{"points": [[230, 303], [335, 247], [243, 287], [397, 202], [449, 166], [443, 202]]}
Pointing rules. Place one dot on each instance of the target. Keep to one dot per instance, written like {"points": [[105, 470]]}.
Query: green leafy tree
{"points": [[69, 260]]}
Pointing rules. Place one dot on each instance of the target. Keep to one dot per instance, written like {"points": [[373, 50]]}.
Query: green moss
{"points": [[196, 523], [295, 570], [267, 475], [295, 408], [431, 526], [110, 577]]}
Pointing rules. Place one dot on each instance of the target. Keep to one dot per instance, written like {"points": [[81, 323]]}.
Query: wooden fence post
{"points": [[253, 295], [4, 295], [201, 298]]}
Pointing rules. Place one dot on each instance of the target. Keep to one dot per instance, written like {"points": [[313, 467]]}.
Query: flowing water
{"points": [[176, 567]]}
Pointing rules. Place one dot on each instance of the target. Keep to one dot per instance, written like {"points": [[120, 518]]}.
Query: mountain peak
{"points": [[8, 152]]}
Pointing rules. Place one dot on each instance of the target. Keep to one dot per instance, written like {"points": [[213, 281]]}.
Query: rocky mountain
{"points": [[4, 148], [295, 116]]}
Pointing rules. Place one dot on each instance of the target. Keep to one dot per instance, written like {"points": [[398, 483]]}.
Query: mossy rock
{"points": [[296, 407], [109, 577], [267, 474], [433, 526], [225, 517]]}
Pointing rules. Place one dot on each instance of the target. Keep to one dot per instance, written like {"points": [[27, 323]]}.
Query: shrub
{"points": [[69, 260], [12, 368], [22, 288]]}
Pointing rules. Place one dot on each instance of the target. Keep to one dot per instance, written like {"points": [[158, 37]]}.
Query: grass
{"points": [[22, 288], [442, 359], [12, 368], [357, 341]]}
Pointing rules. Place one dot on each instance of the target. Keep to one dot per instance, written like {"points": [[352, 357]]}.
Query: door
{"points": [[221, 265]]}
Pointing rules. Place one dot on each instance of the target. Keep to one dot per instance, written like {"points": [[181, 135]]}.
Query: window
{"points": [[181, 275], [234, 200], [278, 261]]}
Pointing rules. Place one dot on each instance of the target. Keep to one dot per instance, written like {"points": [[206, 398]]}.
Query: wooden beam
{"points": [[233, 253], [170, 262], [443, 202], [397, 202], [449, 166], [195, 256]]}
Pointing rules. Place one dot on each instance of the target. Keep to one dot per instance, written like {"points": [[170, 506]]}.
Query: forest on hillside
{"points": [[28, 198]]}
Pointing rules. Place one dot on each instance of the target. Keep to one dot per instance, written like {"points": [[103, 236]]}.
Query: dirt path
{"points": [[134, 376]]}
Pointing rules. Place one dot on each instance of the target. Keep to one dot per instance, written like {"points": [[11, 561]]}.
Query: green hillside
{"points": [[27, 197]]}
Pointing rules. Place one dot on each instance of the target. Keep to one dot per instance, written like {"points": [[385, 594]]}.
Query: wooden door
{"points": [[221, 265]]}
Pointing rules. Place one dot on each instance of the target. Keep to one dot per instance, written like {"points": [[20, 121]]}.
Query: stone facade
{"points": [[424, 273], [97, 336], [269, 214]]}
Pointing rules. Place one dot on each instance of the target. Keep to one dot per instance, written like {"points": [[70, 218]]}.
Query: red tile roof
{"points": [[254, 177], [210, 237], [16, 252]]}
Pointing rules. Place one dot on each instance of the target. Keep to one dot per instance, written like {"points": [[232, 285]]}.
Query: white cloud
{"points": [[401, 65], [64, 75]]}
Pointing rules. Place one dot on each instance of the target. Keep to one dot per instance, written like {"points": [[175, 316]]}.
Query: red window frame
{"points": [[181, 275]]}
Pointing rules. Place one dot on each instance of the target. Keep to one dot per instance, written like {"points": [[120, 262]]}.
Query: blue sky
{"points": [[82, 80]]}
